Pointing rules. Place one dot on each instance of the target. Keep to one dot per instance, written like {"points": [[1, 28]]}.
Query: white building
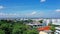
{"points": [[53, 21], [57, 30], [56, 21], [47, 21]]}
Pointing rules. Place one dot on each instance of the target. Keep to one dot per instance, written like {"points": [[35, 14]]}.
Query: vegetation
{"points": [[18, 27], [50, 24], [28, 21], [52, 28], [41, 21]]}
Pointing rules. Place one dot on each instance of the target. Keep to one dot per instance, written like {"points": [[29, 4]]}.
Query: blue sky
{"points": [[30, 8]]}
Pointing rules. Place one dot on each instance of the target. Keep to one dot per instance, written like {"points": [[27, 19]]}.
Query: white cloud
{"points": [[42, 0], [1, 7], [9, 15], [33, 13], [57, 10]]}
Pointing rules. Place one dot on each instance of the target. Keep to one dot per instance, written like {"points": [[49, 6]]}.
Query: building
{"points": [[47, 21], [56, 21], [57, 30], [34, 25], [44, 30]]}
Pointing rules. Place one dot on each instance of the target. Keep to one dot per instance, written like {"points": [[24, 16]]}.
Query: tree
{"points": [[32, 32], [6, 27], [28, 21], [18, 27], [50, 24], [41, 21], [2, 31], [52, 29]]}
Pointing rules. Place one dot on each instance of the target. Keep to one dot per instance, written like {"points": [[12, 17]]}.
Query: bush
{"points": [[2, 31]]}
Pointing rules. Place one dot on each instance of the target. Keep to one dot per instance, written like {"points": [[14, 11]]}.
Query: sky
{"points": [[30, 8]]}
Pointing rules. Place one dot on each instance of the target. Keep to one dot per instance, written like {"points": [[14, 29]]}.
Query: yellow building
{"points": [[42, 32]]}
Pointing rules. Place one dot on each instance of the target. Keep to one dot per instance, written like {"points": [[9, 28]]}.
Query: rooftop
{"points": [[44, 28]]}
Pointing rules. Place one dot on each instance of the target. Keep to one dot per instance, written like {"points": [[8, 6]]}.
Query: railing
{"points": [[56, 33]]}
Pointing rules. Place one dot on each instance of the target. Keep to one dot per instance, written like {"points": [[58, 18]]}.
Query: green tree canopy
{"points": [[41, 21], [18, 27], [2, 31]]}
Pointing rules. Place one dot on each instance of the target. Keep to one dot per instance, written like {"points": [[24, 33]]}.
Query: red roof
{"points": [[44, 28]]}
